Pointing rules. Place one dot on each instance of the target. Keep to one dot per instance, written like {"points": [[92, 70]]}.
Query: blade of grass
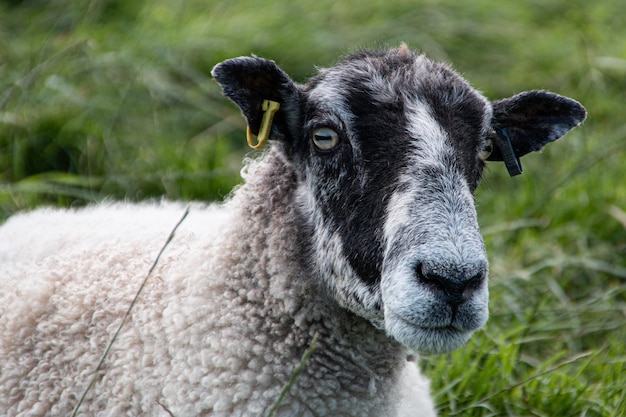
{"points": [[523, 382], [132, 304], [294, 376]]}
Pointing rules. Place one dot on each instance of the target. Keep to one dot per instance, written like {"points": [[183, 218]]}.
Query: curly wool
{"points": [[218, 329]]}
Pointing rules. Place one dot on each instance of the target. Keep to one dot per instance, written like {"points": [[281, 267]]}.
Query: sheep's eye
{"points": [[486, 150], [325, 138]]}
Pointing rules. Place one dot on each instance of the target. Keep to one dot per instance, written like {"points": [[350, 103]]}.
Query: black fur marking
{"points": [[384, 147]]}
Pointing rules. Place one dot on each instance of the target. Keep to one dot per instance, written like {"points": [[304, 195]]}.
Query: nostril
{"points": [[475, 282], [432, 279], [436, 281]]}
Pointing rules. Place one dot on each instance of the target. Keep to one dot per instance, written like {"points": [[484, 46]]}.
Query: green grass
{"points": [[113, 99]]}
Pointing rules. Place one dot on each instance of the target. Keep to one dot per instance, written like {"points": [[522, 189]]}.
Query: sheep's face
{"points": [[391, 150], [389, 147]]}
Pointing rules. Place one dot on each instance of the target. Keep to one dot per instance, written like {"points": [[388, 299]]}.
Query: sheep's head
{"points": [[390, 147]]}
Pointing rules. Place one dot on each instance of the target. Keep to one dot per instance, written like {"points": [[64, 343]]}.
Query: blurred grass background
{"points": [[113, 99]]}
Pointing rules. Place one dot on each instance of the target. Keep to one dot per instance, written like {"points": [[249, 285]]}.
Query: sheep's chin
{"points": [[426, 340]]}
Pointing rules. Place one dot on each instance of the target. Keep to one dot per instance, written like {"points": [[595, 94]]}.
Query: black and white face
{"points": [[392, 148], [389, 148]]}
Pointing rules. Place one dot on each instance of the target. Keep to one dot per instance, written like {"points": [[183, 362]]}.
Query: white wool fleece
{"points": [[218, 329]]}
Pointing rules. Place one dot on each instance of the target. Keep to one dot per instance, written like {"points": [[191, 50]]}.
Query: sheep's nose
{"points": [[453, 284]]}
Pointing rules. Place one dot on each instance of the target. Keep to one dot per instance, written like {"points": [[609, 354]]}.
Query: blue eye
{"points": [[325, 138]]}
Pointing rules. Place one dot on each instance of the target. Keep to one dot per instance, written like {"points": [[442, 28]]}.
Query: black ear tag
{"points": [[512, 162]]}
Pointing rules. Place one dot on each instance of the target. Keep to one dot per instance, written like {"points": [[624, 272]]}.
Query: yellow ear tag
{"points": [[269, 108]]}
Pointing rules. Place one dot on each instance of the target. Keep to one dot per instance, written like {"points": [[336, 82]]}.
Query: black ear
{"points": [[248, 81], [528, 121]]}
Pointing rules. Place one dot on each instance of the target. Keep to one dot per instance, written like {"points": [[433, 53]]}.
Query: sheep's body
{"points": [[79, 271], [358, 226]]}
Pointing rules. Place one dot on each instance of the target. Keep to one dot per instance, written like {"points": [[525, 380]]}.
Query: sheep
{"points": [[357, 228]]}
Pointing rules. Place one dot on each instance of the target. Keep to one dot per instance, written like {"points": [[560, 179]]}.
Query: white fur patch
{"points": [[430, 137]]}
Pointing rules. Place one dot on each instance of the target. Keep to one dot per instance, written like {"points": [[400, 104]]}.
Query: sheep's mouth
{"points": [[427, 339], [443, 339]]}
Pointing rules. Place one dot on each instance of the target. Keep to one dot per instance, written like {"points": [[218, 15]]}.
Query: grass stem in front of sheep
{"points": [[132, 304], [294, 376]]}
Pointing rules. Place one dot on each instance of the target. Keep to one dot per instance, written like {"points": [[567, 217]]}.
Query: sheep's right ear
{"points": [[528, 121], [248, 81]]}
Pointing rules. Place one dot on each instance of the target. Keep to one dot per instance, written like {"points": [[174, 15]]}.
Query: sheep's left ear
{"points": [[248, 81], [528, 121]]}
